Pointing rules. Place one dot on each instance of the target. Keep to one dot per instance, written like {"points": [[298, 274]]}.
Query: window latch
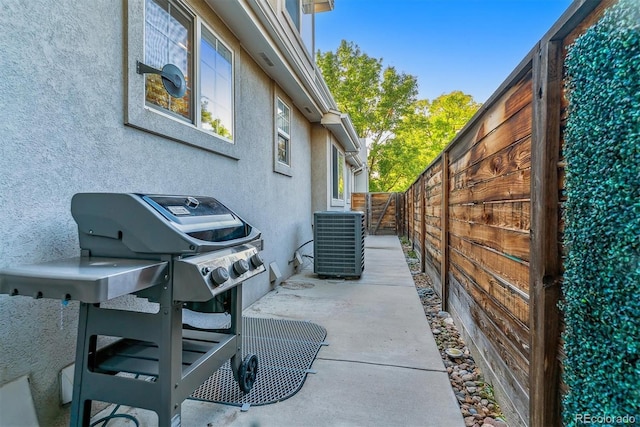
{"points": [[172, 78]]}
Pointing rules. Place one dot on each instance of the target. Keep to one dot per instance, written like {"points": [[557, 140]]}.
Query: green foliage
{"points": [[215, 124], [420, 137], [403, 134], [376, 99], [602, 268]]}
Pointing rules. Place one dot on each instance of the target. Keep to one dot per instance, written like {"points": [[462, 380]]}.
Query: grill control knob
{"points": [[256, 260], [219, 275], [240, 267]]}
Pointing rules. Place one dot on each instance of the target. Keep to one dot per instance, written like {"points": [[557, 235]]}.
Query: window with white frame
{"points": [[283, 120], [282, 146], [337, 175], [216, 85], [174, 34]]}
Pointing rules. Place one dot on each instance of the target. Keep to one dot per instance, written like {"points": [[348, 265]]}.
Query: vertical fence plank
{"points": [[444, 227], [545, 263]]}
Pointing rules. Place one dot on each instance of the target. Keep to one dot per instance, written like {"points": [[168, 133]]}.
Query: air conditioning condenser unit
{"points": [[338, 244]]}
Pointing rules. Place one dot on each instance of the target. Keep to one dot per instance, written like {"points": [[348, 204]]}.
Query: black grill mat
{"points": [[285, 349]]}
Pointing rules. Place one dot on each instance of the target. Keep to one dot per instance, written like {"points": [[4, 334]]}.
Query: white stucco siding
{"points": [[62, 132]]}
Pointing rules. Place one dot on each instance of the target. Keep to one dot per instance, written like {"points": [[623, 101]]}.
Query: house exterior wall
{"points": [[322, 142], [320, 168], [63, 96]]}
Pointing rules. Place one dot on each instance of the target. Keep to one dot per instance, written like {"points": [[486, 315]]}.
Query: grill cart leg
{"points": [[86, 346], [244, 371], [236, 329]]}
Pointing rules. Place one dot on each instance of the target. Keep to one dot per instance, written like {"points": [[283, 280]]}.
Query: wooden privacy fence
{"points": [[485, 219], [383, 211]]}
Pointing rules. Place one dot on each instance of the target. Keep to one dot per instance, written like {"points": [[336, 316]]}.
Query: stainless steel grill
{"points": [[182, 252]]}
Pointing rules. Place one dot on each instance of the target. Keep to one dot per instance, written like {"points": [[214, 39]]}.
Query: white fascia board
{"points": [[340, 126], [354, 160]]}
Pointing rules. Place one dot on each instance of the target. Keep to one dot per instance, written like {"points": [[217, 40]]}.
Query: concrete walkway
{"points": [[382, 367]]}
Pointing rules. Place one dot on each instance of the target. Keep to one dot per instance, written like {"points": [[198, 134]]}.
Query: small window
{"points": [[337, 176], [282, 146], [284, 126]]}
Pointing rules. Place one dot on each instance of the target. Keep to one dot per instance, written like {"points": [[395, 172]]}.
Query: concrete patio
{"points": [[381, 367]]}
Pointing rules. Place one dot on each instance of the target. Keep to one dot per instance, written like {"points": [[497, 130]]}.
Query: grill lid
{"points": [[136, 225]]}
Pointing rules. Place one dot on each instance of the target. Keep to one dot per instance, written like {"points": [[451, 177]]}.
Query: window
{"points": [[161, 32], [293, 8], [168, 35], [216, 86], [282, 146], [337, 176]]}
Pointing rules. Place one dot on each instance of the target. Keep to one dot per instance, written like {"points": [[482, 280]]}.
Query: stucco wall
{"points": [[62, 132]]}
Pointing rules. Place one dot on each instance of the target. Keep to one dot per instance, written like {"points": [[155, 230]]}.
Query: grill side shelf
{"points": [[86, 279]]}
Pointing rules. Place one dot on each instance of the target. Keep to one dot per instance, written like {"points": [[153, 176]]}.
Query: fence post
{"points": [[423, 228], [398, 215], [545, 264], [444, 228], [367, 204]]}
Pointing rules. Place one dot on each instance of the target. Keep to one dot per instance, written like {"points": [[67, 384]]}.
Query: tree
{"points": [[420, 136], [377, 99], [403, 134]]}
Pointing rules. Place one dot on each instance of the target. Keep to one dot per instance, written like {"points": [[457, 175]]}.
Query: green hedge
{"points": [[602, 221]]}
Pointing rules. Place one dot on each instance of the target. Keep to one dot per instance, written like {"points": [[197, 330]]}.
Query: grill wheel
{"points": [[248, 372]]}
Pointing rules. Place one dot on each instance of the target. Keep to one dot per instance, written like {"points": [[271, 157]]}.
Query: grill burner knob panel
{"points": [[256, 260], [219, 275], [240, 267], [227, 268]]}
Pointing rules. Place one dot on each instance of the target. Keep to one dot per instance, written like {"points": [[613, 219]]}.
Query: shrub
{"points": [[602, 234]]}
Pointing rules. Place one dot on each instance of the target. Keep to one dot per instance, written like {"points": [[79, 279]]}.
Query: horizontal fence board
{"points": [[514, 215], [510, 103], [507, 187], [512, 158], [515, 129], [495, 338], [513, 271], [502, 371], [513, 244], [511, 299]]}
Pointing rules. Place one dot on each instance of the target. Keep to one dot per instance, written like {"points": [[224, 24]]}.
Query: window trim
{"points": [[278, 166], [335, 173], [152, 120]]}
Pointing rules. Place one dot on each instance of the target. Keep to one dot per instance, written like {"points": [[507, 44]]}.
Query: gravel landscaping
{"points": [[475, 397]]}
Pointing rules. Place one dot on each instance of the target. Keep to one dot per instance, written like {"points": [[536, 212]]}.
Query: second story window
{"points": [[301, 13], [293, 8]]}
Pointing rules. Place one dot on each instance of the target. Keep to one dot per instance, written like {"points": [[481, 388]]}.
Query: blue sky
{"points": [[467, 45]]}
